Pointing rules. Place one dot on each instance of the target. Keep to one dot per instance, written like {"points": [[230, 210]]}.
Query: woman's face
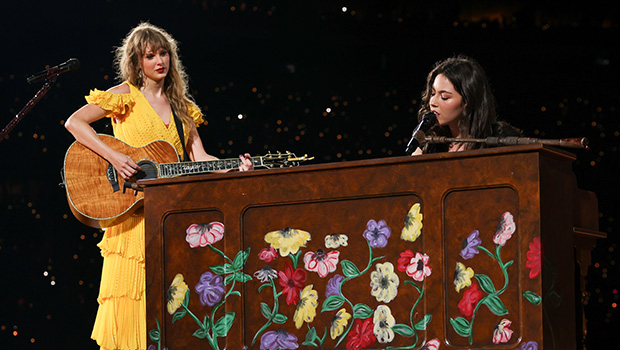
{"points": [[155, 64], [446, 102]]}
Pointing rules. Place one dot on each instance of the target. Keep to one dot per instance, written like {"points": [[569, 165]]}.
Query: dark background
{"points": [[281, 65]]}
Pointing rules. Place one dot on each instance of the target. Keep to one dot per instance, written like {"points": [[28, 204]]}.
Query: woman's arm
{"points": [[78, 125]]}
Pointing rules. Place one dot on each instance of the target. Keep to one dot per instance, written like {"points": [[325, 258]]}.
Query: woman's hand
{"points": [[246, 162], [124, 165]]}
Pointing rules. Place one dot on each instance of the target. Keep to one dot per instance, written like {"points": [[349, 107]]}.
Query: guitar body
{"points": [[94, 190]]}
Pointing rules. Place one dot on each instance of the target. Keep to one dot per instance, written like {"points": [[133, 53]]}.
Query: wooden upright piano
{"points": [[469, 250]]}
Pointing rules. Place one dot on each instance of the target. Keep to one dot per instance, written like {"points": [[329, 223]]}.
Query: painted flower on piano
{"points": [[377, 233], [287, 240], [415, 266], [176, 293], [462, 276], [210, 288], [333, 286], [534, 258], [321, 262], [432, 344], [384, 283], [361, 335], [470, 245], [505, 229], [383, 321], [279, 339], [336, 240], [471, 297], [203, 234], [530, 345], [502, 332], [306, 307], [265, 274], [413, 224], [292, 281], [339, 322], [268, 254]]}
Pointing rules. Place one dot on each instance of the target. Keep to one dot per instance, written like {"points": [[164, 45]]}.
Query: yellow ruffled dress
{"points": [[121, 317]]}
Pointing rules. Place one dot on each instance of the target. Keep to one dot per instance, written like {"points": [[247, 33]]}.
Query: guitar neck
{"points": [[188, 168]]}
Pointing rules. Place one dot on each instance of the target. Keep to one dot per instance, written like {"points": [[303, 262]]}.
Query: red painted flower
{"points": [[432, 344], [361, 335], [321, 262], [292, 283], [471, 297], [502, 332], [268, 254], [415, 266], [534, 257], [203, 234]]}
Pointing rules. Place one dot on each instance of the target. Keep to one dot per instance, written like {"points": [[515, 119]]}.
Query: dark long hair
{"points": [[469, 79]]}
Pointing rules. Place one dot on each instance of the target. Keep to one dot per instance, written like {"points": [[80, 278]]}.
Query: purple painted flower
{"points": [[276, 340], [210, 288], [151, 347], [470, 245], [530, 345], [333, 286], [377, 233]]}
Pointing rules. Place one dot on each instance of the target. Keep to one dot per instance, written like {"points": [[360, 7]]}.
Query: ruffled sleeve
{"points": [[114, 104], [195, 113]]}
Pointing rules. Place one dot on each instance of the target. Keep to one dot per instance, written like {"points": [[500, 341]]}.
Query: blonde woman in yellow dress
{"points": [[142, 109]]}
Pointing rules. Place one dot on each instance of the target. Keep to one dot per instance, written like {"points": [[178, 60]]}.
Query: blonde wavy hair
{"points": [[128, 58]]}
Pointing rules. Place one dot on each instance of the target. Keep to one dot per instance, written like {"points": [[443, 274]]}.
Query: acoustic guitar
{"points": [[98, 197]]}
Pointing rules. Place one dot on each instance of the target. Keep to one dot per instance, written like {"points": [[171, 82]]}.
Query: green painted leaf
{"points": [[403, 330], [507, 265], [240, 259], [263, 286], [242, 277], [222, 326], [228, 279], [265, 310], [154, 335], [310, 335], [460, 326], [349, 269], [532, 297], [485, 283], [222, 269], [495, 305], [201, 333], [279, 319], [362, 311], [332, 303], [423, 323], [179, 315]]}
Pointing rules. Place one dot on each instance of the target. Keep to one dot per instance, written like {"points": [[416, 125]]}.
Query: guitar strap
{"points": [[179, 125]]}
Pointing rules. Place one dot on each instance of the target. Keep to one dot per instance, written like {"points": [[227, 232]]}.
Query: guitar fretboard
{"points": [[187, 168]]}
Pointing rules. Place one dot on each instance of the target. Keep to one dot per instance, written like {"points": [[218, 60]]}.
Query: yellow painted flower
{"points": [[339, 322], [384, 283], [462, 276], [176, 293], [306, 307], [413, 224], [287, 240], [383, 321]]}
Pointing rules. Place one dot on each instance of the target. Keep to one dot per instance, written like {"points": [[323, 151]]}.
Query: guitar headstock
{"points": [[283, 160]]}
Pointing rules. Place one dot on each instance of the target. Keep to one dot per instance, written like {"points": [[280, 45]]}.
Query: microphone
{"points": [[419, 133], [71, 64]]}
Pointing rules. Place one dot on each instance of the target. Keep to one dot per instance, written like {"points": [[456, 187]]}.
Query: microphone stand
{"points": [[37, 97], [579, 142]]}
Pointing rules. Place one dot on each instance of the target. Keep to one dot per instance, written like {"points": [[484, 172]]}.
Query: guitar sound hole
{"points": [[149, 170]]}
